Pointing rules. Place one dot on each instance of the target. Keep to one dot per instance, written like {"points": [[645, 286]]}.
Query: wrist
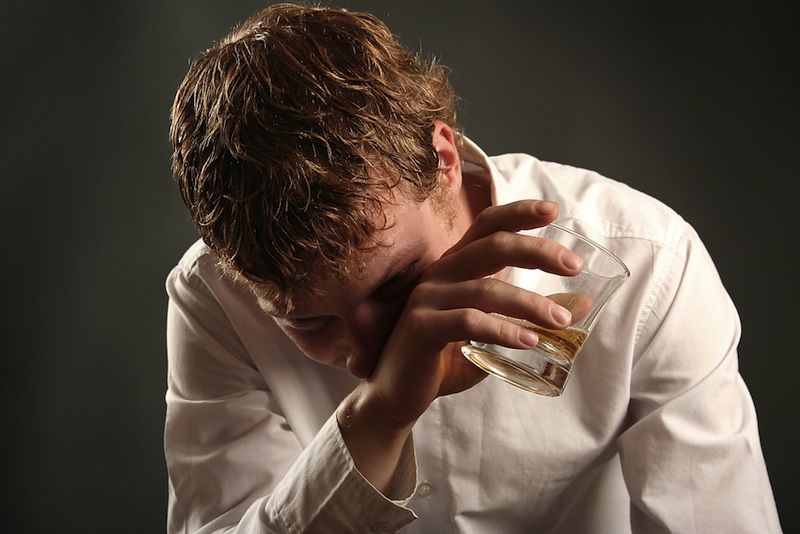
{"points": [[375, 442], [362, 410]]}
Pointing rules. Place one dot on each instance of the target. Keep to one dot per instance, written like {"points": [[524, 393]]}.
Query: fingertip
{"points": [[560, 315], [529, 338], [546, 208], [571, 260]]}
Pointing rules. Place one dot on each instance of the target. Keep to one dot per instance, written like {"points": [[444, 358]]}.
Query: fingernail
{"points": [[571, 260], [528, 337], [545, 207], [560, 314]]}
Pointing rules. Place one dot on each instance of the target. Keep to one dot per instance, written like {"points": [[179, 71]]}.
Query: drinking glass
{"points": [[545, 368]]}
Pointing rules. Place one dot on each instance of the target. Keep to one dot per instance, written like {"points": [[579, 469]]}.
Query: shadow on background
{"points": [[697, 107]]}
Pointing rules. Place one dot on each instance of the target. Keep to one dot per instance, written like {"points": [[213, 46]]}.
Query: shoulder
{"points": [[199, 285], [197, 279], [602, 206], [196, 264], [197, 272]]}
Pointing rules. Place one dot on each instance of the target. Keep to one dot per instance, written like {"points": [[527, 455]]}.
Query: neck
{"points": [[473, 198]]}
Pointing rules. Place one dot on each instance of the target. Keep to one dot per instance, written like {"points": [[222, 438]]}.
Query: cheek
{"points": [[321, 347], [441, 243]]}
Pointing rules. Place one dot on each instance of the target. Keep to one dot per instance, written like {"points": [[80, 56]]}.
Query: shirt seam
{"points": [[648, 310]]}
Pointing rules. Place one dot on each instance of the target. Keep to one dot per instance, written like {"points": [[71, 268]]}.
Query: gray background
{"points": [[693, 105]]}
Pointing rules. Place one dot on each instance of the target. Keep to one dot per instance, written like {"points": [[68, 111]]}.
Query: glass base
{"points": [[546, 378]]}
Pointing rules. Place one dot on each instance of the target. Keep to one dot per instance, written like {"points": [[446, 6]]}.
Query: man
{"points": [[316, 382]]}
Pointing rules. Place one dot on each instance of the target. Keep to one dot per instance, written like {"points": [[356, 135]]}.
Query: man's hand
{"points": [[453, 302]]}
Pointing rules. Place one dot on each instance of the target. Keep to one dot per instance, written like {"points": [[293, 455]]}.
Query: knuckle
{"points": [[526, 208], [507, 330], [548, 250], [552, 248], [469, 320], [500, 240], [487, 213], [416, 319], [420, 292], [543, 306], [526, 300], [415, 299], [486, 287]]}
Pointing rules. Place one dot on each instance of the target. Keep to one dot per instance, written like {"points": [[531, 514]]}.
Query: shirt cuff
{"points": [[324, 489]]}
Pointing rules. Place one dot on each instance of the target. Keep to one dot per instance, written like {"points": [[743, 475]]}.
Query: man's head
{"points": [[291, 135]]}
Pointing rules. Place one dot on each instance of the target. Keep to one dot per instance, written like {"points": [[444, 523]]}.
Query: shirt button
{"points": [[424, 489], [380, 528]]}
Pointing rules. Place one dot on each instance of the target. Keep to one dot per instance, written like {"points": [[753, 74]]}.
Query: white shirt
{"points": [[656, 431]]}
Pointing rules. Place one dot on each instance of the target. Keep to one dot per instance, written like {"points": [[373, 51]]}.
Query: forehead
{"points": [[405, 234]]}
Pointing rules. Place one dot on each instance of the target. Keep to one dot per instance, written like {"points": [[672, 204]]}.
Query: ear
{"points": [[444, 143]]}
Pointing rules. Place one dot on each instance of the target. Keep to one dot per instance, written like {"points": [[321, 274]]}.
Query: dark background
{"points": [[693, 105]]}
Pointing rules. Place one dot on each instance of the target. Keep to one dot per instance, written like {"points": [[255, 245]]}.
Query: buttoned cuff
{"points": [[324, 492]]}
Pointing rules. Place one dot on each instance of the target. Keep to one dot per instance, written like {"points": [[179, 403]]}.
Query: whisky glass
{"points": [[545, 368]]}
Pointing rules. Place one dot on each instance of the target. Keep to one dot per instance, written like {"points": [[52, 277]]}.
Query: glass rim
{"points": [[626, 272]]}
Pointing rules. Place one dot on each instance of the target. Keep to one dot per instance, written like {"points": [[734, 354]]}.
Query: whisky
{"points": [[543, 369]]}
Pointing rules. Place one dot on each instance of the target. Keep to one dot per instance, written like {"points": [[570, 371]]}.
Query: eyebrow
{"points": [[405, 258]]}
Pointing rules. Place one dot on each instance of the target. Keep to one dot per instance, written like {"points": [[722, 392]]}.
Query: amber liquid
{"points": [[543, 369]]}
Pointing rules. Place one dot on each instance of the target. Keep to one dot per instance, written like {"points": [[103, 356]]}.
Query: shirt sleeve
{"points": [[691, 455], [234, 464]]}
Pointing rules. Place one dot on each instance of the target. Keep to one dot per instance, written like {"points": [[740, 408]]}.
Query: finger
{"points": [[494, 296], [513, 217], [446, 326], [492, 253], [578, 304]]}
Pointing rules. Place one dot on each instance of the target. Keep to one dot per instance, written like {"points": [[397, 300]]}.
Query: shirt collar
{"points": [[478, 167]]}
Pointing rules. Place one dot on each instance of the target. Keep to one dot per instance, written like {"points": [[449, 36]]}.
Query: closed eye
{"points": [[306, 324], [401, 282]]}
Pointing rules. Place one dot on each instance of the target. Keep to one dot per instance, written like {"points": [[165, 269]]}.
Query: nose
{"points": [[367, 329]]}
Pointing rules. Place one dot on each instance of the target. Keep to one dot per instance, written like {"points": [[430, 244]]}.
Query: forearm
{"points": [[374, 441]]}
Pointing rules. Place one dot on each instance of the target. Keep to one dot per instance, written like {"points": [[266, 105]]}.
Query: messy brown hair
{"points": [[290, 134]]}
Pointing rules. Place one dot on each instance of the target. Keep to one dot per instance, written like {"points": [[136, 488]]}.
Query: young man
{"points": [[316, 382]]}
